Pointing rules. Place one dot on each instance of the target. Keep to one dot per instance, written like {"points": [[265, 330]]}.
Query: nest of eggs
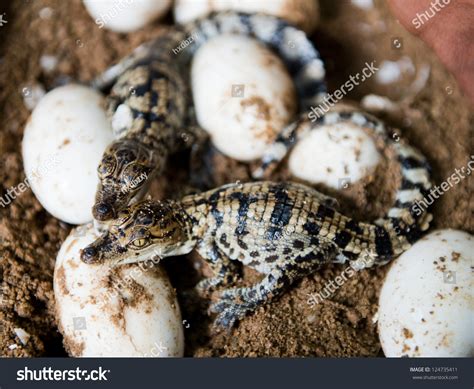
{"points": [[343, 325]]}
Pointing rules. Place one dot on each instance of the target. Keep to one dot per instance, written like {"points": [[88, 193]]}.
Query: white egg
{"points": [[63, 143], [243, 95], [127, 311], [302, 13], [335, 155], [426, 305], [126, 15]]}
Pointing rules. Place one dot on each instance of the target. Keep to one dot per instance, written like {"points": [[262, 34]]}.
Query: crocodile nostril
{"points": [[88, 255], [103, 211]]}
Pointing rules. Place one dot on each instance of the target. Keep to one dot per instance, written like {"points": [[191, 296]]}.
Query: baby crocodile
{"points": [[283, 230], [149, 102]]}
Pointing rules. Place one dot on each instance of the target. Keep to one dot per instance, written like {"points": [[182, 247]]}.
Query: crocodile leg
{"points": [[226, 271], [235, 303]]}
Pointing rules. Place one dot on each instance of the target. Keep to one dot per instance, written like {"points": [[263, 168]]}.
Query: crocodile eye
{"points": [[139, 243], [106, 168]]}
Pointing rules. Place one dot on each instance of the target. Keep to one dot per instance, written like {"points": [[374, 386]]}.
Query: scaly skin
{"points": [[283, 230], [149, 103], [148, 108]]}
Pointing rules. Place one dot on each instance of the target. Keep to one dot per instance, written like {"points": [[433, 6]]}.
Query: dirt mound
{"points": [[437, 122]]}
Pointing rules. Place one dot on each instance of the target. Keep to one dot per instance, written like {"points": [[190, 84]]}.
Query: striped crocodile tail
{"points": [[407, 218]]}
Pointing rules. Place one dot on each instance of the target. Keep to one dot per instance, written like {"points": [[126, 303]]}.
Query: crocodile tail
{"points": [[407, 218]]}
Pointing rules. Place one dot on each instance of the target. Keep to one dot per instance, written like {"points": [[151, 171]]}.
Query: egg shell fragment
{"points": [[335, 155], [63, 143], [126, 311], [426, 305], [126, 15], [302, 13], [243, 95]]}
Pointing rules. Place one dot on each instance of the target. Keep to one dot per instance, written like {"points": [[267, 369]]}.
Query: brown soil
{"points": [[438, 122]]}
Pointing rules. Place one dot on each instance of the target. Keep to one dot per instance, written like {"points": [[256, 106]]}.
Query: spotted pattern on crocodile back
{"points": [[263, 224], [257, 222], [149, 102]]}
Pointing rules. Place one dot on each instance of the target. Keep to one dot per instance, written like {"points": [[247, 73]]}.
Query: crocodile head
{"points": [[142, 231]]}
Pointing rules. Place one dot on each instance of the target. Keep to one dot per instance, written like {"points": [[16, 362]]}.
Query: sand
{"points": [[437, 120]]}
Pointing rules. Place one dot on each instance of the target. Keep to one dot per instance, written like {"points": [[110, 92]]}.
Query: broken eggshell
{"points": [[126, 15], [426, 305], [63, 143], [243, 95], [103, 311], [335, 155], [302, 13]]}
